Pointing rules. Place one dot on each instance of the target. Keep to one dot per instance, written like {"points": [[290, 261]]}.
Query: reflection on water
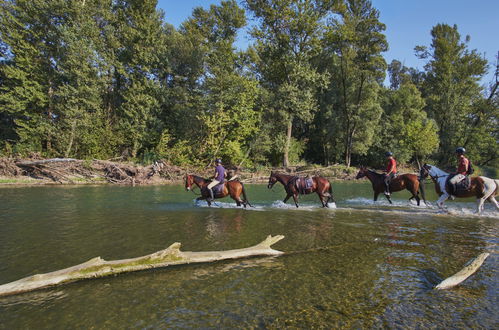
{"points": [[361, 265]]}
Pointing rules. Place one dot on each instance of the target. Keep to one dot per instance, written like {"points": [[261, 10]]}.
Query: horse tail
{"points": [[244, 195], [330, 190]]}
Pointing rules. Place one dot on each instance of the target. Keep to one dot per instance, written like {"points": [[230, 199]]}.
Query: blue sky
{"points": [[408, 24]]}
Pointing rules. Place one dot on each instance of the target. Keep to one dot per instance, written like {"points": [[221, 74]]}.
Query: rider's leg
{"points": [[387, 184], [454, 181], [210, 188]]}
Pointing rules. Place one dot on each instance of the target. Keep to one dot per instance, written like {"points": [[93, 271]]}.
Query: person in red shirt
{"points": [[462, 168], [390, 172]]}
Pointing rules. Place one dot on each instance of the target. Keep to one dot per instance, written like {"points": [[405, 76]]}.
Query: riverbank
{"points": [[40, 171]]}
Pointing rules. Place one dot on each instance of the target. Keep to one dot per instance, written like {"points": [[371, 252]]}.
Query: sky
{"points": [[408, 24]]}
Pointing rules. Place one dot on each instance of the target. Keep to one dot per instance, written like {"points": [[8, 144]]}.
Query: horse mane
{"points": [[375, 173]]}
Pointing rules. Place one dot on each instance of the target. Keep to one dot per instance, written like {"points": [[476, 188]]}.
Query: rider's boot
{"points": [[212, 198]]}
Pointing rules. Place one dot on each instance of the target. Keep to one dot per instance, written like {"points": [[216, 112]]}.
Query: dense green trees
{"points": [[105, 79]]}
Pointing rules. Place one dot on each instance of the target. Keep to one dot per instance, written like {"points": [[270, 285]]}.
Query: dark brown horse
{"points": [[401, 182], [320, 185], [233, 188]]}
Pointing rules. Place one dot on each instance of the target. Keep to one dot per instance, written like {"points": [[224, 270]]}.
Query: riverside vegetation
{"points": [[105, 79]]}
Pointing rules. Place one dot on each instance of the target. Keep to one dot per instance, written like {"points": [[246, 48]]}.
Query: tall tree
{"points": [[354, 43], [451, 86], [287, 38]]}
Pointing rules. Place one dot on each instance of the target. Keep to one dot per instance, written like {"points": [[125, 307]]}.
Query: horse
{"points": [[401, 182], [481, 187], [320, 185], [234, 188]]}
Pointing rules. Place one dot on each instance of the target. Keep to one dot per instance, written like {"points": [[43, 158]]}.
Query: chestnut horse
{"points": [[401, 182], [481, 187], [320, 185], [233, 188]]}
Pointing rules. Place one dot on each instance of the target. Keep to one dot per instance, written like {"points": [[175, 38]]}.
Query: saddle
{"points": [[218, 189], [462, 186], [303, 184]]}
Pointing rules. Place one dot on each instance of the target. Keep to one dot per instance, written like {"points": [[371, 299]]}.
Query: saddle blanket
{"points": [[304, 185]]}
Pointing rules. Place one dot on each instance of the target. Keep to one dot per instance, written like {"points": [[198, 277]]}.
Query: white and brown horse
{"points": [[481, 187]]}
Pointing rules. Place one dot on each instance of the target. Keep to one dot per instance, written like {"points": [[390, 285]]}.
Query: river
{"points": [[361, 265]]}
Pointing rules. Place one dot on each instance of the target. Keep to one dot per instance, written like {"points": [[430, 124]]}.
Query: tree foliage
{"points": [[105, 79]]}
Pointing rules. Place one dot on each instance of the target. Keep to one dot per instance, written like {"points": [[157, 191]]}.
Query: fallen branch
{"points": [[463, 273], [47, 161], [98, 267]]}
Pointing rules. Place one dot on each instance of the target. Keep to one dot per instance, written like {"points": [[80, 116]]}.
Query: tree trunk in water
{"points": [[285, 162], [98, 267]]}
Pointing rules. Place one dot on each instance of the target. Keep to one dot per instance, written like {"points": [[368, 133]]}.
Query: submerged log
{"points": [[98, 267], [464, 273]]}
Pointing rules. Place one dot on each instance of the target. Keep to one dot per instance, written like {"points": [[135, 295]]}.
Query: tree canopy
{"points": [[105, 79]]}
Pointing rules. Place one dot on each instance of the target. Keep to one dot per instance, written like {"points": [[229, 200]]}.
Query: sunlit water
{"points": [[376, 265]]}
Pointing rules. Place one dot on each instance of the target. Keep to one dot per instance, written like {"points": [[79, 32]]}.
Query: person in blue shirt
{"points": [[219, 177]]}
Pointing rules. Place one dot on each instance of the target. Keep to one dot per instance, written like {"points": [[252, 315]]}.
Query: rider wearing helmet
{"points": [[462, 169], [219, 177], [390, 172]]}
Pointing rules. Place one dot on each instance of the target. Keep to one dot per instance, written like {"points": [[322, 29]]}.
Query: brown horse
{"points": [[320, 185], [401, 182], [233, 188]]}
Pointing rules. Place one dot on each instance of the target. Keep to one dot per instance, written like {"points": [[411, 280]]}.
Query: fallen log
{"points": [[98, 267], [464, 273], [47, 161]]}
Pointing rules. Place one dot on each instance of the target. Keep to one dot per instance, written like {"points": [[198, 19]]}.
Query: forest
{"points": [[106, 79]]}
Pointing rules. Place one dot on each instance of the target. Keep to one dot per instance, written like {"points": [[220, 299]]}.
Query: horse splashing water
{"points": [[233, 188], [295, 185], [401, 182]]}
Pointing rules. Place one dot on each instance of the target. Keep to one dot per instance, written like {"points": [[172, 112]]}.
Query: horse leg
{"points": [[492, 199], [286, 199], [479, 207], [322, 200], [441, 200], [295, 199], [376, 196], [389, 199]]}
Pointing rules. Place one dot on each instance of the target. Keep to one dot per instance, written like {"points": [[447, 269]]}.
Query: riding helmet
{"points": [[218, 161], [460, 150], [388, 154]]}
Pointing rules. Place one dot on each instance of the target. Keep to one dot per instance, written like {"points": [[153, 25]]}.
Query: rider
{"points": [[390, 172], [462, 169], [219, 177]]}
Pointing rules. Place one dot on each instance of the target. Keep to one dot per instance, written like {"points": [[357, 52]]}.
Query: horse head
{"points": [[424, 171], [272, 180], [362, 172], [189, 181]]}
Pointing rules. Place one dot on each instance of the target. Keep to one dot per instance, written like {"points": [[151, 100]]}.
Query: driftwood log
{"points": [[98, 267], [464, 273]]}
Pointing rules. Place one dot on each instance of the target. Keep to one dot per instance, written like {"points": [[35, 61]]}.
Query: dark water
{"points": [[376, 269]]}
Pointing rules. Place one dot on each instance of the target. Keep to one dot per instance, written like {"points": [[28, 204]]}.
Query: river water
{"points": [[361, 265]]}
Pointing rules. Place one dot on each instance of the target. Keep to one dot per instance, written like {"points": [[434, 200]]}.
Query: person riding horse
{"points": [[462, 171], [218, 178], [390, 172]]}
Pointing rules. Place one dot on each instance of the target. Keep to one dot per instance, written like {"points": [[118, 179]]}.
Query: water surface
{"points": [[360, 265]]}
